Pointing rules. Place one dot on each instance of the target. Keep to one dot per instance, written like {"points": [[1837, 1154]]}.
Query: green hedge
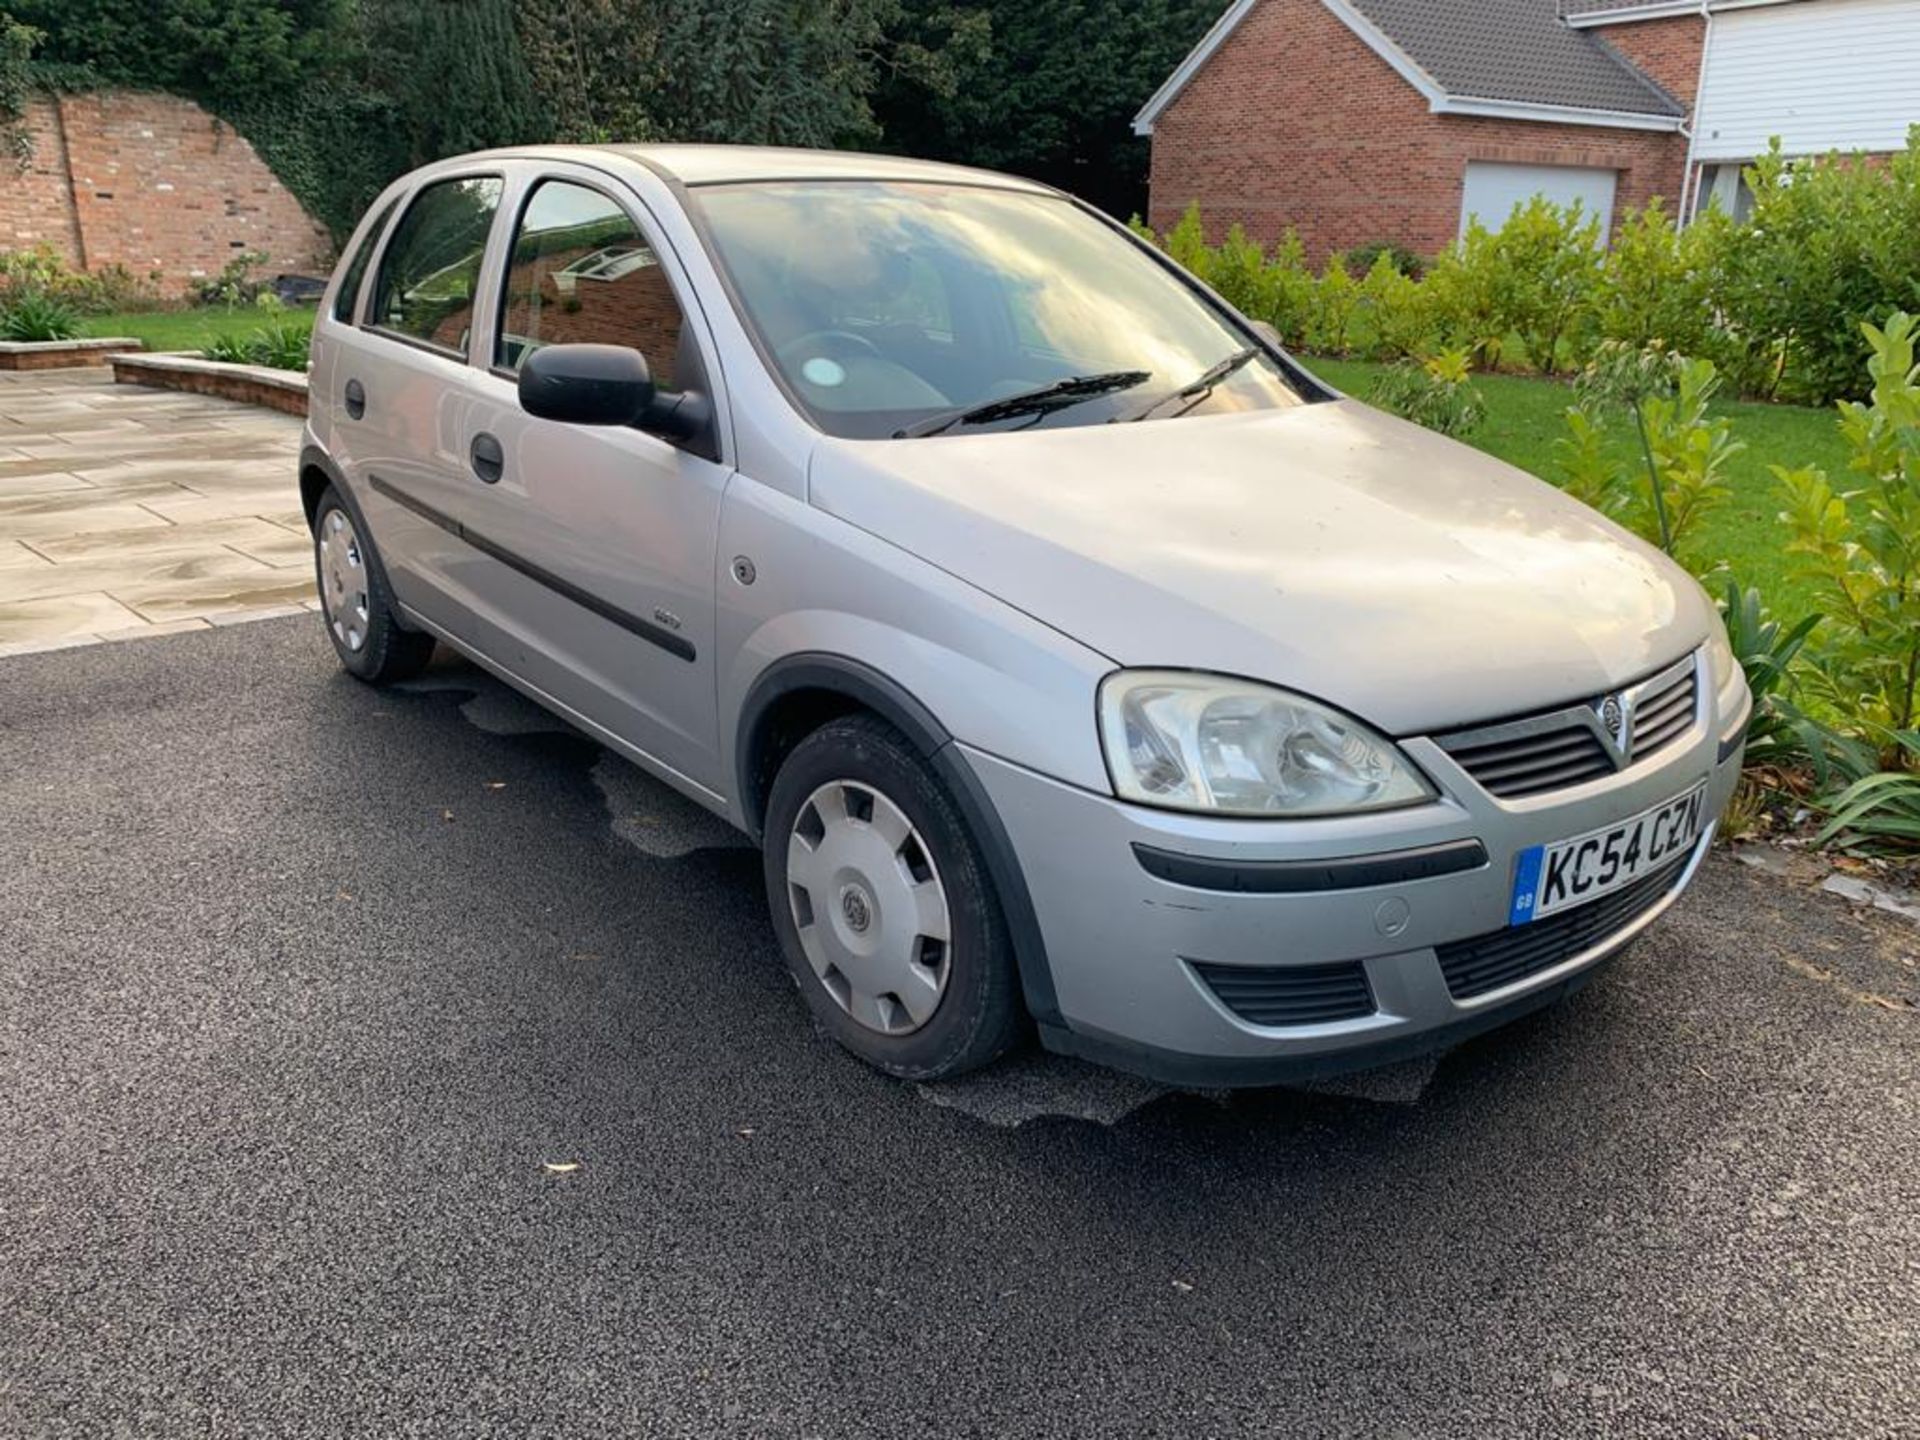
{"points": [[1775, 301]]}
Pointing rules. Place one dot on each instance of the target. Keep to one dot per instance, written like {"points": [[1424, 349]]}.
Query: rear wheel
{"points": [[356, 603], [884, 909]]}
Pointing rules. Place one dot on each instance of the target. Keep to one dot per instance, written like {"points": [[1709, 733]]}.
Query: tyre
{"points": [[356, 602], [884, 908]]}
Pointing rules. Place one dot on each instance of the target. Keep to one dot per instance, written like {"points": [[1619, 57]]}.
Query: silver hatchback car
{"points": [[1080, 663]]}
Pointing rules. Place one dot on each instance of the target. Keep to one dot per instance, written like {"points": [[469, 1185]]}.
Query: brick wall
{"points": [[36, 205], [1667, 50], [1296, 122], [154, 183]]}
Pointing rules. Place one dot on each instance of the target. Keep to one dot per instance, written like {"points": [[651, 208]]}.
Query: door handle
{"points": [[356, 398], [489, 461]]}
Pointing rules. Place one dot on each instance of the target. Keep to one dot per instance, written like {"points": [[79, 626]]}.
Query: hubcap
{"points": [[343, 579], [869, 906]]}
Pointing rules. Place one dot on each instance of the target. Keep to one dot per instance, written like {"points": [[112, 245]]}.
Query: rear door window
{"points": [[429, 275]]}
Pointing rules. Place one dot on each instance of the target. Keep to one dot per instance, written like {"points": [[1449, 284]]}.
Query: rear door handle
{"points": [[488, 459], [356, 398]]}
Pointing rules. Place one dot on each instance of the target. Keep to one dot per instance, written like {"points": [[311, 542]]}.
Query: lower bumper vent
{"points": [[1276, 995], [1488, 962]]}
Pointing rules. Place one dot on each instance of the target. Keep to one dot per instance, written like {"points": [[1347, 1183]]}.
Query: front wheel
{"points": [[356, 603], [885, 912]]}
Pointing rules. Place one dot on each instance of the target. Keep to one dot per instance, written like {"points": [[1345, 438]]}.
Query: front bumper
{"points": [[1127, 947]]}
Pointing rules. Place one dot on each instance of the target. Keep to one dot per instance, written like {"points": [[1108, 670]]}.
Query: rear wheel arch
{"points": [[796, 695], [317, 472]]}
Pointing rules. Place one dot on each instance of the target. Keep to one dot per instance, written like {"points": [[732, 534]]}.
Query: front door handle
{"points": [[488, 459], [356, 398]]}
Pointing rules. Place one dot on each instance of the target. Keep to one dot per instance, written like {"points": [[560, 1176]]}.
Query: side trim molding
{"points": [[1311, 877], [653, 634]]}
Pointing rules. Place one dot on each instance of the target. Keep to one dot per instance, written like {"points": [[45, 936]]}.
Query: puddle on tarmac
{"points": [[664, 825], [1039, 1086]]}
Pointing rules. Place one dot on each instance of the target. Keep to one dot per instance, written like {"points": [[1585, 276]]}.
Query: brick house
{"points": [[1359, 121]]}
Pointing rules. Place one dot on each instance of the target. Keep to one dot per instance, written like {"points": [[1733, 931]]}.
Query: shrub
{"points": [[1438, 393], [236, 283], [1398, 311], [1861, 547], [1829, 247], [1334, 304], [1683, 452], [1769, 652], [281, 346], [44, 270], [31, 315], [1363, 258], [1884, 807]]}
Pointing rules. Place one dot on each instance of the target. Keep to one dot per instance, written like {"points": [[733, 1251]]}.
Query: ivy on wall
{"points": [[16, 87]]}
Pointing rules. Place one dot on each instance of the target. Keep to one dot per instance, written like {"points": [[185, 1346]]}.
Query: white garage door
{"points": [[1494, 189]]}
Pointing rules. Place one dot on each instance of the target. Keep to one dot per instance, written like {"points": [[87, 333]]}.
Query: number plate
{"points": [[1551, 878]]}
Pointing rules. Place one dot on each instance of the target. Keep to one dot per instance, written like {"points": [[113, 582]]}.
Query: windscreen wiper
{"points": [[1198, 390], [1044, 401]]}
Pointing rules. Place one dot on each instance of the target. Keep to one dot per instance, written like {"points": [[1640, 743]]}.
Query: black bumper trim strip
{"points": [[653, 634], [1310, 877]]}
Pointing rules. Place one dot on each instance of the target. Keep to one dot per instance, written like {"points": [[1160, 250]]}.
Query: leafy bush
{"points": [[282, 345], [31, 315], [1884, 807], [43, 269], [1769, 652], [1774, 301], [236, 283], [1861, 547], [1828, 247], [1363, 258], [1438, 393], [1683, 452], [1398, 313]]}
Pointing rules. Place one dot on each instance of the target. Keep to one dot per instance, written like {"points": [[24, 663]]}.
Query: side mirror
{"points": [[586, 384]]}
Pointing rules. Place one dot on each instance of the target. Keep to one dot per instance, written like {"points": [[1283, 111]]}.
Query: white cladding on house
{"points": [[1830, 75]]}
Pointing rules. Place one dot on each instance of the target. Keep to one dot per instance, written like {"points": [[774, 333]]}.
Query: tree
{"points": [[592, 64], [780, 72], [455, 74], [1053, 95]]}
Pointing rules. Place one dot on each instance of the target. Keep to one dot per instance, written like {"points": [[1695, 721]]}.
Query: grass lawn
{"points": [[190, 329], [1524, 419]]}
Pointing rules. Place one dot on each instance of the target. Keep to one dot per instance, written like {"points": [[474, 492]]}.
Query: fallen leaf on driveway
{"points": [[1183, 1287], [745, 1132], [496, 784], [561, 1168], [447, 815]]}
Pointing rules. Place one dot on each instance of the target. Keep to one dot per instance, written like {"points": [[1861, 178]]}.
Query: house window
{"points": [[1724, 187]]}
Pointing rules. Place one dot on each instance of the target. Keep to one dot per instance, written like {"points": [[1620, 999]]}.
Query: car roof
{"points": [[733, 164]]}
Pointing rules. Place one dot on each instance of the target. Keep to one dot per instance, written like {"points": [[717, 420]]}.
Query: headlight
{"points": [[1210, 743], [1721, 661]]}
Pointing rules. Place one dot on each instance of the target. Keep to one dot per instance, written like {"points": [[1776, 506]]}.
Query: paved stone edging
{"points": [[283, 390], [63, 354]]}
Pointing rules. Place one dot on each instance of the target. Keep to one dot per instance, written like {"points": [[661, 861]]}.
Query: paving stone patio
{"points": [[127, 512]]}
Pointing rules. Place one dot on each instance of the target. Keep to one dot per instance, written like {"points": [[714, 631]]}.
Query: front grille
{"points": [[1534, 764], [1542, 753], [1662, 716], [1488, 962], [1277, 995]]}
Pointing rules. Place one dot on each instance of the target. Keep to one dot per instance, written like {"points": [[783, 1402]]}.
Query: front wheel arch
{"points": [[796, 695]]}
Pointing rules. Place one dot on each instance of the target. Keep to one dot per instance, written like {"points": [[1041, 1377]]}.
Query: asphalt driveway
{"points": [[304, 989]]}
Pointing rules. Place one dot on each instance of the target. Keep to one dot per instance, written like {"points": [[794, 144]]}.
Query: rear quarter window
{"points": [[347, 297]]}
